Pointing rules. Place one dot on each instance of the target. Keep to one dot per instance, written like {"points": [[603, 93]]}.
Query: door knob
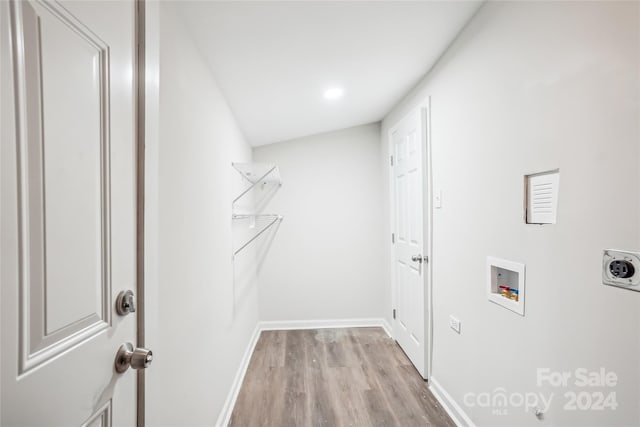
{"points": [[419, 258], [136, 358]]}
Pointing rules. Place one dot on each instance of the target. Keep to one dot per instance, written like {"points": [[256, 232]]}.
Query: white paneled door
{"points": [[407, 139], [68, 211]]}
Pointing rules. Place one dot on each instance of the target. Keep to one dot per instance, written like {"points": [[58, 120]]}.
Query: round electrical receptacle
{"points": [[621, 269]]}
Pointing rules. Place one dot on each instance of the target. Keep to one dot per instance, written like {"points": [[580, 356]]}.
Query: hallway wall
{"points": [[325, 261], [202, 318], [529, 87]]}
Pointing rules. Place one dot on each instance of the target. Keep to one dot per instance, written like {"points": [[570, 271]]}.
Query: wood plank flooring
{"points": [[333, 377]]}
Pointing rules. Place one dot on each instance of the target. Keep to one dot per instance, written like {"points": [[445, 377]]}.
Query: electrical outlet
{"points": [[454, 324], [621, 269]]}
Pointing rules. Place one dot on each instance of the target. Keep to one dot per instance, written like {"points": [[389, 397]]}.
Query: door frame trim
{"points": [[148, 146], [427, 218], [139, 82]]}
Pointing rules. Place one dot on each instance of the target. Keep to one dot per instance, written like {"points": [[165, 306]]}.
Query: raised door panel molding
{"points": [[64, 179], [102, 418]]}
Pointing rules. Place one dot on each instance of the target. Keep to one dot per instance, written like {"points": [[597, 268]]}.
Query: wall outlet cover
{"points": [[621, 269]]}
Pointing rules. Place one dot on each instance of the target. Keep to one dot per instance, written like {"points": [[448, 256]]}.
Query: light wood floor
{"points": [[334, 377]]}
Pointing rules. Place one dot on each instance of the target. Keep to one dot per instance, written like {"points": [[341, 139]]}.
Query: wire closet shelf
{"points": [[258, 176]]}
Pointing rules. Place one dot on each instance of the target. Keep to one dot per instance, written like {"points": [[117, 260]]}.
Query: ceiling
{"points": [[274, 60]]}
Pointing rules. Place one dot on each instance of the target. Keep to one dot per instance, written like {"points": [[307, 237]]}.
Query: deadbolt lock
{"points": [[125, 303], [134, 358], [419, 258]]}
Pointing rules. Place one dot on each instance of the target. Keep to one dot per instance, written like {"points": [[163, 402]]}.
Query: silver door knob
{"points": [[136, 358], [419, 258]]}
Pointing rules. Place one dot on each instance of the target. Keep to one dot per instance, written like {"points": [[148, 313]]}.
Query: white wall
{"points": [[201, 320], [326, 259], [527, 87]]}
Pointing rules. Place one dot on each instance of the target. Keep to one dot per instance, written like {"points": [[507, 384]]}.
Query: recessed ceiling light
{"points": [[333, 93]]}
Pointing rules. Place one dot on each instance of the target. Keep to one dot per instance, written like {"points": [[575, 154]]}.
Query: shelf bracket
{"points": [[265, 228], [254, 184]]}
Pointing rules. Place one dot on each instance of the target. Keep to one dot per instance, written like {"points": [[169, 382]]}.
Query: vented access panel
{"points": [[542, 197]]}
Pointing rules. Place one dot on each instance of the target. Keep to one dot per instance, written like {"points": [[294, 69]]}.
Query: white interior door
{"points": [[407, 140], [68, 211]]}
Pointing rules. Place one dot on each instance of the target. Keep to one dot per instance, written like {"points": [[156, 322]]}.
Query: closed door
{"points": [[407, 140], [68, 211]]}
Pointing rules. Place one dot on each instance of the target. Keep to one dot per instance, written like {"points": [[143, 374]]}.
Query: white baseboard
{"points": [[454, 410], [230, 403], [227, 409], [284, 325], [387, 328]]}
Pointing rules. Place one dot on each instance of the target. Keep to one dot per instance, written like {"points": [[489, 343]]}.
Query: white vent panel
{"points": [[542, 197]]}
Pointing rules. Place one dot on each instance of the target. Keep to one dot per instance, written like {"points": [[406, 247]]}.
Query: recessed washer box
{"points": [[505, 283]]}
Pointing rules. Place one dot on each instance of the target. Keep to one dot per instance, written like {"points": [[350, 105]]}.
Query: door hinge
{"points": [[393, 237], [394, 313], [391, 160]]}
